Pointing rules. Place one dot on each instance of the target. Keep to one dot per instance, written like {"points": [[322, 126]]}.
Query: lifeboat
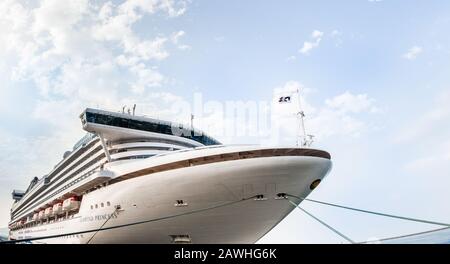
{"points": [[57, 208], [71, 204], [20, 223], [48, 212], [41, 215], [35, 216]]}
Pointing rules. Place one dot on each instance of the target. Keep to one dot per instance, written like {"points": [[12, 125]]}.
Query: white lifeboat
{"points": [[57, 208], [20, 223], [35, 216], [48, 212], [71, 204], [41, 214]]}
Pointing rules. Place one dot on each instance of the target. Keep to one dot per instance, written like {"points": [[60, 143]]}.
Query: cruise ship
{"points": [[135, 179]]}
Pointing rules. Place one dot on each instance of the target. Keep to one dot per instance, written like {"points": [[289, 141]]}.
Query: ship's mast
{"points": [[302, 138]]}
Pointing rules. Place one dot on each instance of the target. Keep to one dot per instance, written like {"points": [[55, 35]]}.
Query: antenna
{"points": [[123, 109], [134, 109], [192, 121]]}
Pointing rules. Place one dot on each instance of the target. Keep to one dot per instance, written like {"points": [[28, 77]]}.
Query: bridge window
{"points": [[146, 126]]}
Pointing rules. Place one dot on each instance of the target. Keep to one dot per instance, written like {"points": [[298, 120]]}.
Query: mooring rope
{"points": [[404, 236], [116, 210], [372, 212], [322, 222], [126, 225]]}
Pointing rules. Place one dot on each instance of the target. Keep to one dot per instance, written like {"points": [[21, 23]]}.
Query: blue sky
{"points": [[374, 76]]}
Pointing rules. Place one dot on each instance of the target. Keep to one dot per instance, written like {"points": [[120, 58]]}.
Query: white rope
{"points": [[405, 236], [109, 217], [322, 222], [372, 212]]}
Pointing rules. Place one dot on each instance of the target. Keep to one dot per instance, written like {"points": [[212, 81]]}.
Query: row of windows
{"points": [[143, 148], [148, 126], [96, 206], [156, 140], [135, 157]]}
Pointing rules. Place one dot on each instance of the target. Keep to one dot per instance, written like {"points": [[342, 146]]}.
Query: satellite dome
{"points": [[66, 154]]}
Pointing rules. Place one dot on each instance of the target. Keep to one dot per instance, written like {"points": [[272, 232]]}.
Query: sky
{"points": [[374, 79]]}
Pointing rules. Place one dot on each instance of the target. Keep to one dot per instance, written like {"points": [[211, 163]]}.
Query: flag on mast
{"points": [[287, 97], [284, 99]]}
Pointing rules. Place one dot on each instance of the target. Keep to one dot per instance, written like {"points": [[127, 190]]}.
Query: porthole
{"points": [[96, 206], [108, 203]]}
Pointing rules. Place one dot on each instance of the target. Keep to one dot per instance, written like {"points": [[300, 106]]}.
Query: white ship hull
{"points": [[214, 184]]}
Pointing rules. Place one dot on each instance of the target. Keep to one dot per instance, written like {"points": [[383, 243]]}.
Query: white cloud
{"points": [[317, 37], [116, 26], [56, 44], [309, 45], [317, 34], [174, 8], [336, 33], [184, 47], [53, 15], [146, 78], [75, 54], [148, 49], [291, 58], [341, 115], [176, 36], [413, 53], [350, 103]]}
